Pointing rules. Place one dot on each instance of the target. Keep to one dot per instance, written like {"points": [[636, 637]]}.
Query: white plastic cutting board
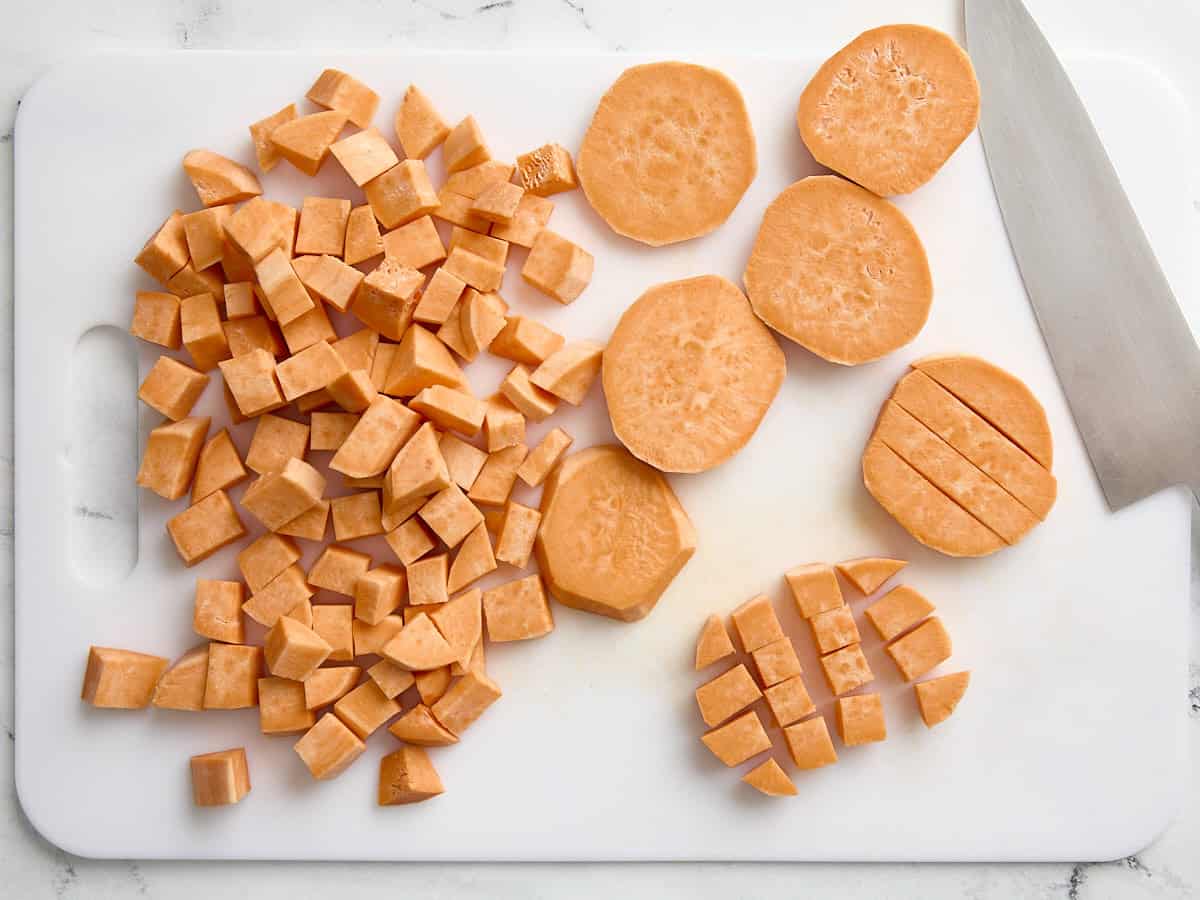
{"points": [[1068, 744]]}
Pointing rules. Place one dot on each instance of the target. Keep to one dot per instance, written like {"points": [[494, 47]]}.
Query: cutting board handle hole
{"points": [[102, 456]]}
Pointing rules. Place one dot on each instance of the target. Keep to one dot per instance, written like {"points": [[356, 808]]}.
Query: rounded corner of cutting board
{"points": [[51, 821]]}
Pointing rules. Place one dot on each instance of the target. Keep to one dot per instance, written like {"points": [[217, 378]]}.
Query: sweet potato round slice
{"points": [[889, 108], [689, 374], [669, 152], [613, 534], [839, 271]]}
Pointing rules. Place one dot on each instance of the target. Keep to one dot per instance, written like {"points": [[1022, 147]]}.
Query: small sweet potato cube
{"points": [[738, 740], [495, 481], [789, 701], [278, 597], [330, 429], [353, 390], [713, 644], [514, 543], [121, 679], [172, 451], [416, 244], [282, 708], [481, 274], [325, 686], [204, 231], [307, 329], [260, 133], [260, 226], [860, 719], [432, 685], [391, 680], [236, 266], [846, 669], [410, 541], [364, 155], [460, 622], [310, 524], [386, 298], [305, 141], [372, 638], [776, 661], [868, 573], [323, 226], [219, 180], [265, 558], [834, 629], [239, 300], [284, 291], [407, 776], [938, 697], [218, 611], [302, 613], [569, 372], [380, 433], [473, 180], [464, 146], [473, 560], [921, 649], [770, 779], [517, 610], [544, 457], [439, 298], [329, 747], [339, 569], [557, 267], [205, 527], [419, 727], [252, 333], [546, 170], [202, 333], [363, 240], [181, 687], [450, 515], [156, 318], [365, 708], [525, 341], [533, 402], [489, 248], [166, 252], [498, 202], [756, 623], [421, 361], [334, 89], [378, 593], [419, 127], [187, 282], [897, 611], [417, 471], [419, 646], [401, 194], [278, 497], [427, 580], [480, 319], [455, 208], [727, 694], [251, 380], [463, 461], [333, 622], [356, 516], [275, 441], [450, 408], [221, 778], [232, 680], [309, 370], [815, 589], [294, 651], [172, 388], [530, 218], [467, 699], [809, 744]]}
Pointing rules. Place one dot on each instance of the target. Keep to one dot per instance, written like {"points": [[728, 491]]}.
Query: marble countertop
{"points": [[35, 36]]}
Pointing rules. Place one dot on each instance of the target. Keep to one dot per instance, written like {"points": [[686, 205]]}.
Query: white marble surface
{"points": [[36, 35]]}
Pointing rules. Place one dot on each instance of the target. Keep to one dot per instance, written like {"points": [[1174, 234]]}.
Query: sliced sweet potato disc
{"points": [[998, 396], [839, 271], [925, 512], [669, 152], [613, 534], [689, 373], [889, 108]]}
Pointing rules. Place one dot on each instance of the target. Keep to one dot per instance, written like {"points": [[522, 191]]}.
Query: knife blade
{"points": [[1122, 349]]}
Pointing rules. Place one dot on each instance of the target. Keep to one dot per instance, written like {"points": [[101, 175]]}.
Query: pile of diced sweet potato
{"points": [[248, 288]]}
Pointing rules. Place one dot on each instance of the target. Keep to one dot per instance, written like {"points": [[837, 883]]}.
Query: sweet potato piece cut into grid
{"points": [[939, 697], [325, 686], [419, 727], [809, 744], [219, 180], [868, 573], [897, 611], [770, 779], [921, 649], [305, 141], [727, 694], [738, 740], [713, 644], [419, 126]]}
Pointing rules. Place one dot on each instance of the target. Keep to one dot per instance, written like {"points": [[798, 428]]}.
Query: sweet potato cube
{"points": [[275, 441], [450, 408], [415, 244], [336, 90], [463, 461], [294, 651], [713, 644], [240, 302], [364, 155], [464, 146], [770, 779], [282, 708], [309, 370], [260, 226], [409, 541], [815, 589], [738, 740], [473, 560], [202, 333], [205, 527], [219, 180], [417, 471], [450, 515], [789, 701], [544, 457], [356, 516], [221, 778], [121, 679], [156, 319], [467, 699], [419, 646], [727, 694], [323, 226], [172, 451], [860, 719], [365, 708], [533, 402], [432, 685], [310, 524], [776, 661], [897, 611], [455, 208], [363, 240], [419, 127], [921, 649], [525, 341], [407, 776], [489, 248], [251, 380], [302, 612], [329, 747], [756, 623], [546, 170], [938, 697], [181, 687], [330, 429], [305, 330], [265, 558], [869, 573], [495, 481], [460, 622], [421, 361], [517, 610], [187, 282], [391, 680], [278, 597], [305, 141], [166, 252], [372, 638], [232, 680], [419, 727], [834, 629], [353, 390], [325, 686], [260, 133], [204, 231], [846, 669], [333, 622], [252, 333], [172, 388], [427, 580], [480, 319], [568, 373], [557, 267], [514, 543], [378, 593], [218, 611], [479, 273], [386, 298], [528, 221], [278, 497], [473, 180], [441, 296], [401, 194], [498, 202], [809, 744], [380, 433]]}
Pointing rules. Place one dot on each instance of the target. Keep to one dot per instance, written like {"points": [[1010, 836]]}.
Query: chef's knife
{"points": [[1122, 349]]}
